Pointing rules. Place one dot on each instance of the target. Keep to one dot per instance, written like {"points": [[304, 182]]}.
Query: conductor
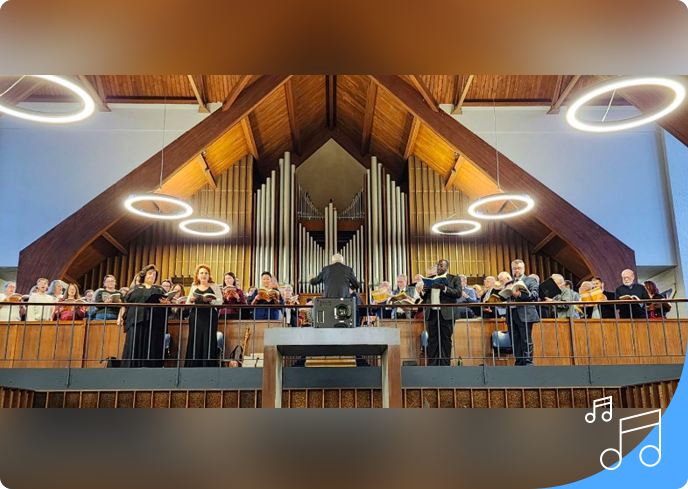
{"points": [[338, 279]]}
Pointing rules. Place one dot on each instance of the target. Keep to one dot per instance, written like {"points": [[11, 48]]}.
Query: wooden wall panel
{"points": [[488, 252], [176, 254]]}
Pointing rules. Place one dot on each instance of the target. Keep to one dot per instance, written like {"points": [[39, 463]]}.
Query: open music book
{"points": [[595, 295], [155, 298], [431, 282], [114, 296], [494, 299], [508, 293], [403, 299], [202, 297], [629, 298], [381, 295]]}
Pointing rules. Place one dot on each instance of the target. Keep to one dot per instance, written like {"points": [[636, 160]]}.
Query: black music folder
{"points": [[549, 289]]}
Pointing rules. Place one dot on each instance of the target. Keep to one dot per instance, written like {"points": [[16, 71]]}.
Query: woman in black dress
{"points": [[657, 310], [145, 326], [201, 348]]}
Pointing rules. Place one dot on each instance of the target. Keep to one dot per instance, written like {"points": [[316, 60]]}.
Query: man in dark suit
{"points": [[338, 279], [631, 288], [521, 319], [440, 320]]}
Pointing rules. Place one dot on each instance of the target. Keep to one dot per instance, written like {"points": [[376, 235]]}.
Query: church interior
{"points": [[428, 189]]}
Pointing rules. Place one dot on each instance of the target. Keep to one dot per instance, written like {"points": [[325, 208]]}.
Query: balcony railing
{"points": [[92, 343]]}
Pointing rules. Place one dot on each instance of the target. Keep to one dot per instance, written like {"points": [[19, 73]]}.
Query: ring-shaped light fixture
{"points": [[672, 83], [473, 210], [437, 228], [185, 209], [55, 118], [224, 227]]}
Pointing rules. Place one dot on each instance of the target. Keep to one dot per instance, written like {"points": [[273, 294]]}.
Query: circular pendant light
{"points": [[54, 118], [185, 210], [473, 227], [477, 208], [474, 209], [676, 85], [223, 227]]}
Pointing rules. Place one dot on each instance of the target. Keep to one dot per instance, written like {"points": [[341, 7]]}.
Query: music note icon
{"points": [[619, 452], [601, 404]]}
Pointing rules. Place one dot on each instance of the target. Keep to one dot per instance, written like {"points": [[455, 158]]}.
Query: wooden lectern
{"points": [[307, 342]]}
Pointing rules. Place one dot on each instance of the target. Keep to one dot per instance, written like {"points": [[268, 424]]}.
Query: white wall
{"points": [[677, 164], [617, 180], [49, 172]]}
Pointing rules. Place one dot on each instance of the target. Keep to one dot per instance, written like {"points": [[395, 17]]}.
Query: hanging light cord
{"points": [[13, 85], [609, 106], [494, 101], [164, 127]]}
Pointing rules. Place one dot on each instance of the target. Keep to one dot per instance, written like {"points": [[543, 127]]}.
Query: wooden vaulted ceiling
{"points": [[389, 116]]}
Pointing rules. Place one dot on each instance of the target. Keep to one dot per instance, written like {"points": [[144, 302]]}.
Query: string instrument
{"points": [[237, 355]]}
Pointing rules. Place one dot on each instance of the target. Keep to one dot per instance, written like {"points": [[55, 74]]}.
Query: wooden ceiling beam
{"points": [[562, 98], [331, 94], [248, 135], [543, 243], [572, 226], [78, 231], [425, 92], [236, 91], [93, 92], [111, 239], [413, 136], [455, 172], [369, 118], [461, 95], [23, 90], [205, 168], [198, 92], [647, 99], [293, 119]]}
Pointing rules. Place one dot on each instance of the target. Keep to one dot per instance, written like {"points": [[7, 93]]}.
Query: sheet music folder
{"points": [[549, 289]]}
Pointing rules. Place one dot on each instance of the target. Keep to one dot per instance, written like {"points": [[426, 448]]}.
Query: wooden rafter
{"points": [[425, 92], [413, 136], [248, 135], [571, 225], [293, 119], [24, 89], [75, 233], [111, 239], [455, 172], [198, 92], [461, 95], [236, 91], [368, 119], [205, 168], [543, 243], [93, 91], [331, 94], [559, 101]]}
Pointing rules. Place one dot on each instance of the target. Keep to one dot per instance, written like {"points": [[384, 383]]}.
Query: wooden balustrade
{"points": [[561, 343]]}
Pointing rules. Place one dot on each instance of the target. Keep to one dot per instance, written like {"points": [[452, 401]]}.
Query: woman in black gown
{"points": [[145, 326], [201, 348]]}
